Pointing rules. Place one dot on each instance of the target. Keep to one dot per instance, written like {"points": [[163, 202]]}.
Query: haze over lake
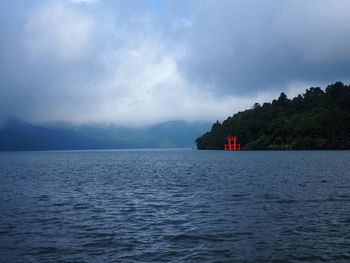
{"points": [[175, 205]]}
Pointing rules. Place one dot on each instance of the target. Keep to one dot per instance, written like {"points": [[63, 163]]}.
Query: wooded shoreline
{"points": [[316, 120]]}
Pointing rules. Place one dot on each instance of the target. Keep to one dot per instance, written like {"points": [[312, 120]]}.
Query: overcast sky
{"points": [[139, 62]]}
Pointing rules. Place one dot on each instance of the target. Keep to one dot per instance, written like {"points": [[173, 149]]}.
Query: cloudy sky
{"points": [[139, 62]]}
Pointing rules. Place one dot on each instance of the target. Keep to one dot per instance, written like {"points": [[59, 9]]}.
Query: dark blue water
{"points": [[175, 206]]}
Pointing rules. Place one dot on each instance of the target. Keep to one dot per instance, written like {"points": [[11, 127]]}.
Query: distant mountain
{"points": [[170, 134], [317, 119], [17, 135]]}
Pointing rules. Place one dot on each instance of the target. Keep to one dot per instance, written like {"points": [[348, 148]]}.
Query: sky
{"points": [[142, 62]]}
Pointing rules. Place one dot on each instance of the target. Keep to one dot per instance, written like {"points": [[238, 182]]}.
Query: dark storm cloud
{"points": [[125, 61], [248, 46]]}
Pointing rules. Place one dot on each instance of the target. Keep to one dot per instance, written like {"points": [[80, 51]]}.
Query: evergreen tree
{"points": [[317, 119]]}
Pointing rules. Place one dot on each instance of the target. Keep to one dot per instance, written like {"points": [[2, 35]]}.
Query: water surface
{"points": [[175, 206]]}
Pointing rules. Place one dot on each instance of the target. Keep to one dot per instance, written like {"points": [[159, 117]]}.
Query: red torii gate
{"points": [[232, 144]]}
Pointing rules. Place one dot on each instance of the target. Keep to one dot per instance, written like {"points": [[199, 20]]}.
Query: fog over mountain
{"points": [[16, 135], [137, 63]]}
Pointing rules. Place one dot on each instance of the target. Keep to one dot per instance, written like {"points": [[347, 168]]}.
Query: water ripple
{"points": [[174, 206]]}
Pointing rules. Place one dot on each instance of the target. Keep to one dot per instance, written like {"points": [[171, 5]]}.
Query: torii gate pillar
{"points": [[232, 144]]}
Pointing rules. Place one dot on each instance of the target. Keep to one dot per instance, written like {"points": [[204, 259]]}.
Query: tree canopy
{"points": [[317, 119]]}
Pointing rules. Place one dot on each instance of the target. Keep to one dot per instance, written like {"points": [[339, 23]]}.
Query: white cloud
{"points": [[59, 32]]}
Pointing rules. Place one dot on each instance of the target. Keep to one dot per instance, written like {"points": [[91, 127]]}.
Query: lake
{"points": [[175, 205]]}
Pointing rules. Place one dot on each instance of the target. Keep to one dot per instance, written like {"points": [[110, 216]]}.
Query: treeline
{"points": [[317, 119]]}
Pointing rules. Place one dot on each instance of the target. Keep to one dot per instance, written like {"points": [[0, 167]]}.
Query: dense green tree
{"points": [[317, 119]]}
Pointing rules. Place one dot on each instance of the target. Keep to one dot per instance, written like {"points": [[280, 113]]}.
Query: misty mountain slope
{"points": [[170, 134], [18, 135]]}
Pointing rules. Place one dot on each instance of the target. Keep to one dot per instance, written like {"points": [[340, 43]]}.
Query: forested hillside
{"points": [[317, 119]]}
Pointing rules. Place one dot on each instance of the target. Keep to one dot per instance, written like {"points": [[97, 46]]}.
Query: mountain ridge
{"points": [[17, 135]]}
